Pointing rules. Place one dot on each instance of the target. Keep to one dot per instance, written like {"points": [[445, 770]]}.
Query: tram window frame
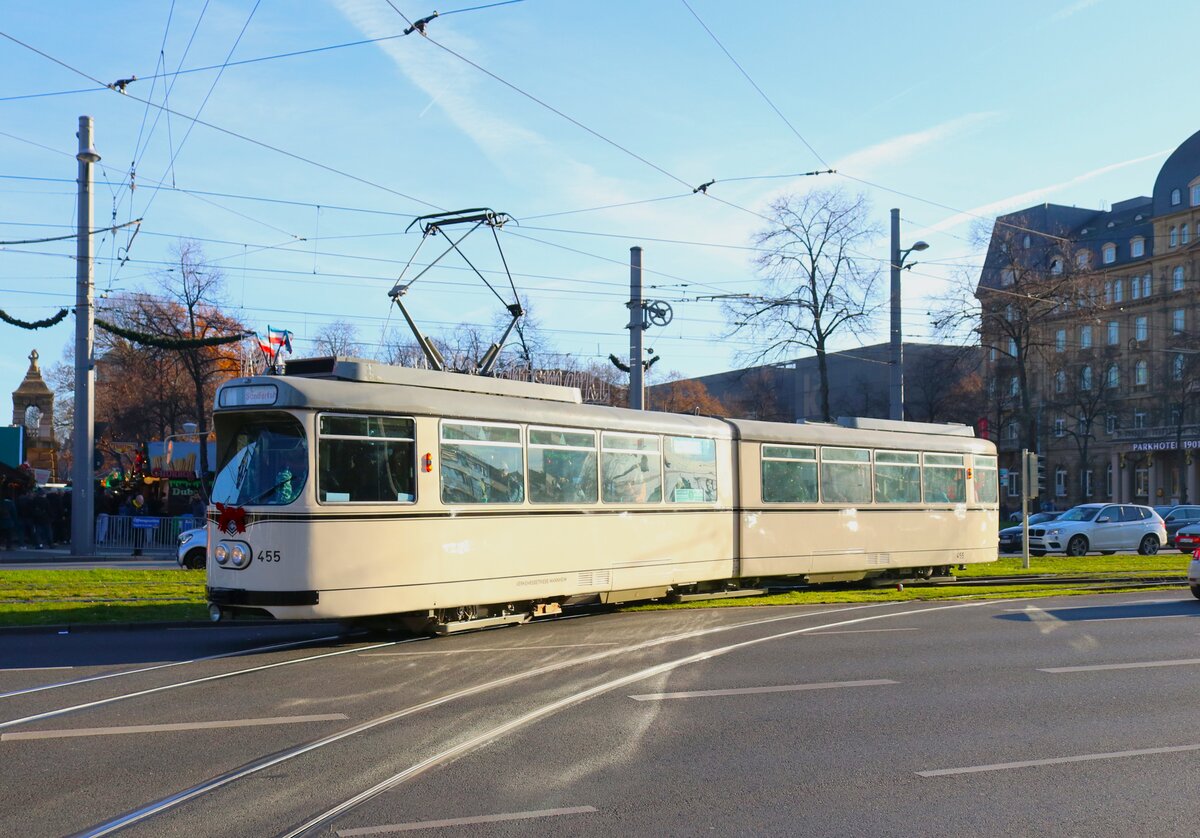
{"points": [[591, 448], [911, 463], [369, 437], [776, 454], [831, 469], [704, 493], [982, 465], [935, 462], [607, 452], [513, 473]]}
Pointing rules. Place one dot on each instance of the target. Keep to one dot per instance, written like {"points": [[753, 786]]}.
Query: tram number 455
{"points": [[269, 555]]}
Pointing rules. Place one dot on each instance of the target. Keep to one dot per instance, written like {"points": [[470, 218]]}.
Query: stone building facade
{"points": [[1091, 339]]}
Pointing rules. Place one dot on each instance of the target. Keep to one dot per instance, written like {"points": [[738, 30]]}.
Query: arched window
{"points": [[1176, 197], [1141, 373], [1056, 265], [1060, 382], [1025, 241], [1085, 378], [1137, 247], [1177, 278], [1108, 253], [1082, 258], [1114, 376], [1195, 194], [1177, 368]]}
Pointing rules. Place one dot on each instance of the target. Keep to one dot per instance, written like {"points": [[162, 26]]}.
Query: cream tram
{"points": [[351, 489]]}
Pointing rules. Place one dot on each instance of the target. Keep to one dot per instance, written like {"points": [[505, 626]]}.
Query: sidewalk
{"points": [[60, 556]]}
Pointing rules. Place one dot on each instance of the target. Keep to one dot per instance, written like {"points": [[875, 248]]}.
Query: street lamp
{"points": [[896, 389]]}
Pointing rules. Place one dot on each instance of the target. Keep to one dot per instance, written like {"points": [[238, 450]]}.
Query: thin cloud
{"points": [[1073, 9], [1034, 196], [897, 149]]}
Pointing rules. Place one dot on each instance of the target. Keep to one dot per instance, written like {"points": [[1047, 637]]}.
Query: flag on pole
{"points": [[280, 338]]}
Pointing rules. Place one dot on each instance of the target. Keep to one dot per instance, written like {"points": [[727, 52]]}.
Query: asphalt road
{"points": [[1069, 716]]}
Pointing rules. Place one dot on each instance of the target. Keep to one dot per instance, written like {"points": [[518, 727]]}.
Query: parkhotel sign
{"points": [[1165, 445]]}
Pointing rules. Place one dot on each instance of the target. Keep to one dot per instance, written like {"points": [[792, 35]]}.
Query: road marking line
{"points": [[511, 816], [828, 685], [34, 668], [1030, 763], [861, 631], [110, 731], [473, 651], [1102, 666]]}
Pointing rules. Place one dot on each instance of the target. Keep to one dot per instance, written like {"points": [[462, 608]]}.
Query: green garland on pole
{"points": [[169, 343], [37, 324]]}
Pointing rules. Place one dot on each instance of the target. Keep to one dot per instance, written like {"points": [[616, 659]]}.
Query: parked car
{"points": [[1100, 527], [1163, 511], [1187, 539], [1010, 537], [1178, 518], [193, 548]]}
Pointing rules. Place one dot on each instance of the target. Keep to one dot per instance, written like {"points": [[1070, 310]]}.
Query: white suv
{"points": [[1100, 527]]}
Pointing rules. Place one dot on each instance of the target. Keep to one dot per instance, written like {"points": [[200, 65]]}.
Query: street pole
{"points": [[896, 388], [1025, 508], [83, 484], [636, 327]]}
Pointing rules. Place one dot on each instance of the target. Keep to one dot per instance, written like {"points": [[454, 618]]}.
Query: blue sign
{"points": [[145, 523]]}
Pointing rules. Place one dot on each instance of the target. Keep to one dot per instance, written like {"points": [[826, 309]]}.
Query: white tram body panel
{"points": [[481, 492]]}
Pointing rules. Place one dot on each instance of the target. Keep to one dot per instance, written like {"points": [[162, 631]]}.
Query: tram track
{"points": [[217, 782]]}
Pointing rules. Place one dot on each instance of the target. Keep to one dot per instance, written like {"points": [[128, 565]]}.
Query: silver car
{"points": [[1100, 527], [193, 548]]}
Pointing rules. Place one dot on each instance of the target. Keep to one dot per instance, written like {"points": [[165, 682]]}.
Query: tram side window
{"points": [[986, 479], [897, 477], [482, 463], [562, 466], [945, 478], [366, 459], [631, 468], [789, 474], [845, 475], [690, 470]]}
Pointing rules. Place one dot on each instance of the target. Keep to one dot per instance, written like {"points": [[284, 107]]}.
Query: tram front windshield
{"points": [[264, 460]]}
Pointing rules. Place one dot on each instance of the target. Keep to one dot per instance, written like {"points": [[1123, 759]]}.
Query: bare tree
{"points": [[338, 338], [816, 283], [1083, 397]]}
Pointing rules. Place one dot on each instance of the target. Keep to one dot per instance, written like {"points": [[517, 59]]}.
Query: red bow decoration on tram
{"points": [[232, 519]]}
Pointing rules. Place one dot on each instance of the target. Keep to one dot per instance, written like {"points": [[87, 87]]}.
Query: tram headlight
{"points": [[239, 555], [221, 553]]}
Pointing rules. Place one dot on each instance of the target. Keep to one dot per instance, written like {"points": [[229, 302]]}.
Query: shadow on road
{"points": [[1084, 613]]}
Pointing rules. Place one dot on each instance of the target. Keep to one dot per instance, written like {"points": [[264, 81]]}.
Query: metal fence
{"points": [[149, 533]]}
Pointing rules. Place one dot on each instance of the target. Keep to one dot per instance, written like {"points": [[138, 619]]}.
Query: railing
{"points": [[148, 533]]}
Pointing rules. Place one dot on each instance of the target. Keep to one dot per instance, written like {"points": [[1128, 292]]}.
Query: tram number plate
{"points": [[269, 555]]}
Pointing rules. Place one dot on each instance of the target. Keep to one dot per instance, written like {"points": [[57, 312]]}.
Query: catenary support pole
{"points": [[637, 325], [896, 388], [83, 500]]}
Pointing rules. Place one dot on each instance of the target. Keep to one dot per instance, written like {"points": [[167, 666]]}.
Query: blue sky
{"points": [[968, 109]]}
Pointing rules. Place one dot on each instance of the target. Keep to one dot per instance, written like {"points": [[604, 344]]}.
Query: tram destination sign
{"points": [[1165, 445]]}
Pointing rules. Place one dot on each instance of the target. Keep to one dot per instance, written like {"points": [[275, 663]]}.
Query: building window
{"points": [[1177, 278], [1060, 340], [1185, 234], [1060, 382], [992, 353], [1088, 481], [1014, 484], [1014, 386], [1060, 427], [1173, 237], [1135, 288], [1196, 194], [1145, 285], [1141, 374], [1008, 276], [1056, 265], [1137, 247], [1177, 321], [1010, 313], [1060, 482], [1141, 483], [1110, 423], [1083, 427], [1085, 378], [1025, 241], [1176, 415], [1108, 292], [1113, 378], [1012, 347], [1108, 481], [1139, 419], [1141, 328], [1012, 431], [1108, 254], [1177, 368], [1176, 197], [1118, 291], [1114, 332]]}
